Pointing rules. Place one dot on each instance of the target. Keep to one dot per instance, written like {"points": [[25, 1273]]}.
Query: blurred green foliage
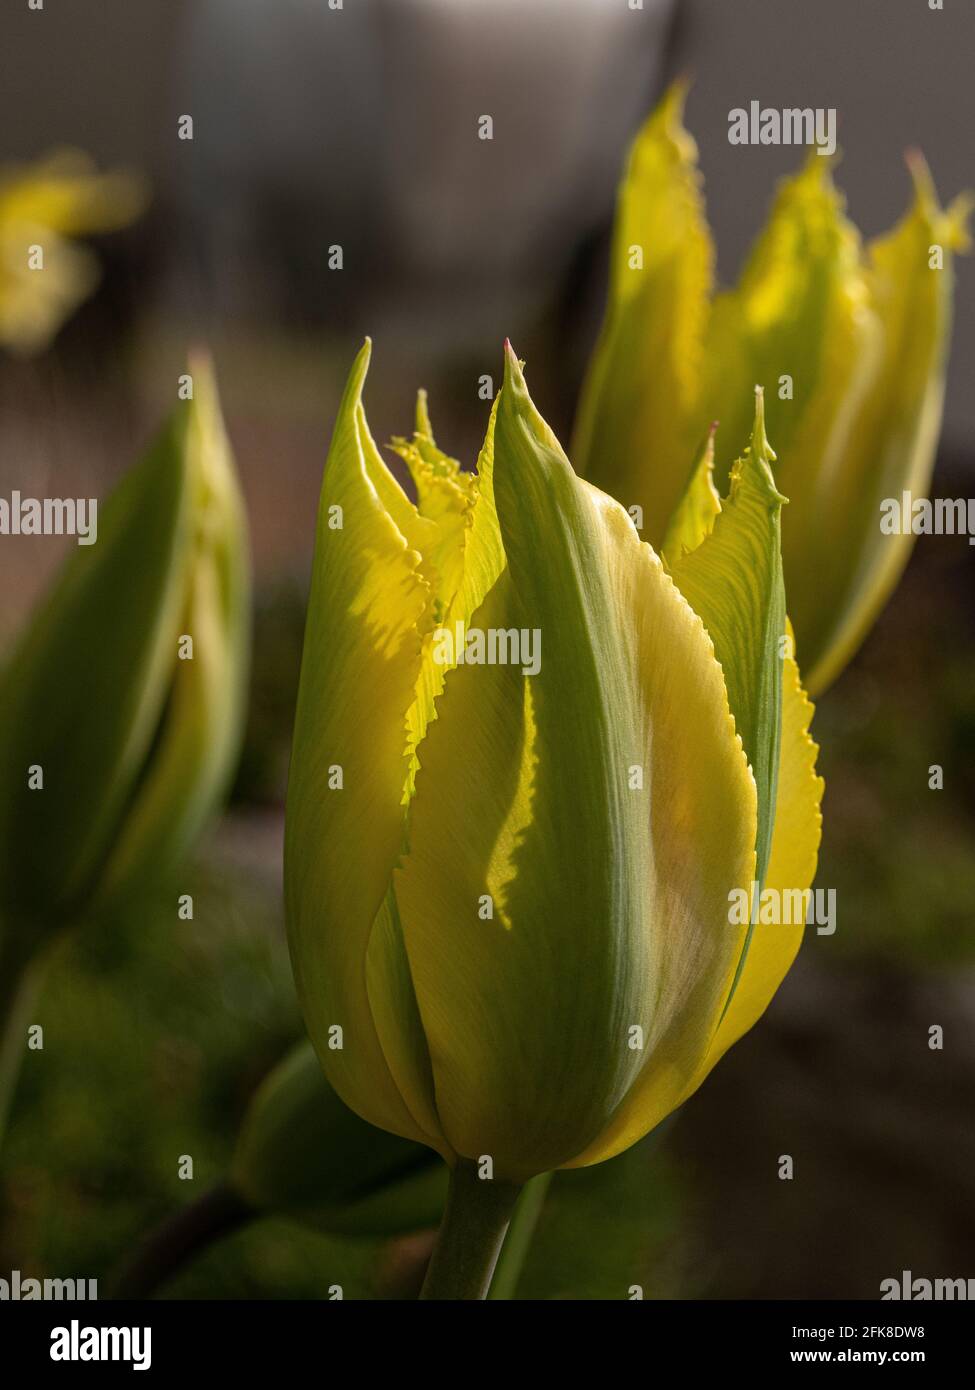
{"points": [[901, 854]]}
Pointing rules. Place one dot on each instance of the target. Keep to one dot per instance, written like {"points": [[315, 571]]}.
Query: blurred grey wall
{"points": [[357, 126], [899, 75]]}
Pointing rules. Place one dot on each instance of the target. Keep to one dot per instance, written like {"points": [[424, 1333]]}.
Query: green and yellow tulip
{"points": [[508, 893], [44, 275], [850, 345]]}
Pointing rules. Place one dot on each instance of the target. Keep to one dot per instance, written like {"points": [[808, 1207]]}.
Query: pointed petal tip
{"points": [[514, 376], [674, 99], [759, 456], [952, 223], [199, 362], [363, 357]]}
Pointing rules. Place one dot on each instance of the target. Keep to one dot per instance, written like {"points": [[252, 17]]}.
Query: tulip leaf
{"points": [[303, 1153], [635, 431], [602, 808]]}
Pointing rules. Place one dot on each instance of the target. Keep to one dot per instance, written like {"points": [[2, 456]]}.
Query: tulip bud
{"points": [[508, 917], [303, 1154], [127, 689], [850, 346]]}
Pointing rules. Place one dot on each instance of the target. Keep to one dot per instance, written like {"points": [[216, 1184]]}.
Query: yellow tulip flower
{"points": [[850, 346], [532, 765], [44, 276]]}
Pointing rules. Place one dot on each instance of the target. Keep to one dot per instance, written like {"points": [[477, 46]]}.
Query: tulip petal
{"points": [[791, 870], [445, 496], [369, 610], [799, 310], [882, 443], [733, 581], [610, 899], [466, 551], [694, 515], [633, 434]]}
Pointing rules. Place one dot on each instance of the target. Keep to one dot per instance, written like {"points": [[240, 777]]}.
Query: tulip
{"points": [[851, 346], [507, 894], [121, 706], [44, 276]]}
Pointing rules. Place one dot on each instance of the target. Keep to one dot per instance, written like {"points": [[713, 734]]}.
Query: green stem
{"points": [[178, 1240], [520, 1233], [472, 1232], [19, 985]]}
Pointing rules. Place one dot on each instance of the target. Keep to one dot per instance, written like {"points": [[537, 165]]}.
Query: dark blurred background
{"points": [[357, 127]]}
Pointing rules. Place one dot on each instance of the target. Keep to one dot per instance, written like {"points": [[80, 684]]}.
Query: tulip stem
{"points": [[19, 983], [474, 1225], [167, 1249]]}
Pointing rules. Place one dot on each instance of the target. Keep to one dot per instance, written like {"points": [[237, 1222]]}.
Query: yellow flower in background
{"points": [[849, 343], [44, 275], [531, 768]]}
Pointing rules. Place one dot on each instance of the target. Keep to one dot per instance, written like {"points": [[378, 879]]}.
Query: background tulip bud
{"points": [[126, 690], [849, 344]]}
